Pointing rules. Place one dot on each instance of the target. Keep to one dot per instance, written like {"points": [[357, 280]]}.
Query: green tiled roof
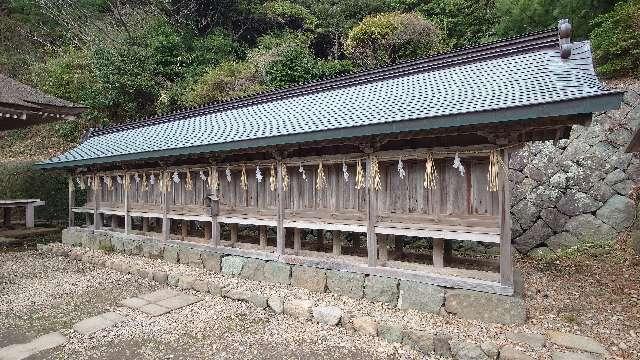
{"points": [[522, 78]]}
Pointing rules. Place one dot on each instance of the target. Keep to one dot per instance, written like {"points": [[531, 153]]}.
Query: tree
{"points": [[616, 40], [391, 37]]}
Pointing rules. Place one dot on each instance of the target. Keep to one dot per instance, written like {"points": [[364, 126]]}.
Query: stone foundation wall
{"points": [[578, 189], [402, 294]]}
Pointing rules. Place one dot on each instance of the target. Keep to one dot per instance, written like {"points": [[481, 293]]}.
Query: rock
{"points": [[365, 325], [520, 191], [559, 180], [635, 242], [624, 187], [170, 254], [201, 286], [558, 355], [276, 272], [345, 283], [152, 249], [442, 345], [618, 212], [390, 332], [576, 342], [239, 295], [587, 226], [575, 203], [276, 304], [309, 278], [581, 179], [463, 350], [253, 269], [540, 253], [173, 279], [544, 196], [258, 300], [232, 265], [189, 256], [419, 296], [490, 349], [214, 288], [212, 262], [554, 219], [526, 213], [535, 341], [419, 340], [473, 305], [298, 308], [615, 177], [329, 315], [601, 192], [510, 353], [533, 237], [560, 241], [186, 282], [382, 289]]}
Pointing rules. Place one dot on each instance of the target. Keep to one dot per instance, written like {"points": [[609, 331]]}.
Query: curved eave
{"points": [[585, 105]]}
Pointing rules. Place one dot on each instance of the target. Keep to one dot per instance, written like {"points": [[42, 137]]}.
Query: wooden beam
{"points": [[297, 240], [372, 196], [72, 201], [383, 249], [262, 233], [438, 253], [233, 233], [280, 229], [127, 216], [506, 258], [336, 238]]}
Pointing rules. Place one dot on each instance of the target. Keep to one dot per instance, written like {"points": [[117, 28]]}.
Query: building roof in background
{"points": [[527, 77], [22, 105]]}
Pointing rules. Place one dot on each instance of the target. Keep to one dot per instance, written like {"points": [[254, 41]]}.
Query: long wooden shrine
{"points": [[417, 150]]}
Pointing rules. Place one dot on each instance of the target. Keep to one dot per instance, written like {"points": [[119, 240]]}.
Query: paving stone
{"points": [[212, 262], [240, 295], [170, 254], [258, 300], [575, 342], [215, 288], [558, 355], [442, 345], [365, 325], [390, 332], [276, 272], [160, 277], [276, 304], [201, 286], [232, 265], [309, 278], [41, 343], [536, 341], [345, 283], [329, 315], [463, 350], [189, 256], [490, 349], [298, 308], [159, 295], [253, 269], [474, 305], [154, 309], [97, 323], [419, 340], [418, 296], [510, 353], [186, 282], [134, 302], [173, 279], [382, 289], [179, 301]]}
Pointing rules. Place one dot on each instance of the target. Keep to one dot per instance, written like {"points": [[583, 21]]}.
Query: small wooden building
{"points": [[414, 150]]}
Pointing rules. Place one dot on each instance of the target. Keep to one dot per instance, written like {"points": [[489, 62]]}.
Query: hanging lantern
{"points": [[430, 173], [374, 178], [244, 184], [345, 172], [495, 163], [457, 164], [285, 177], [188, 183], [360, 182], [258, 174], [272, 178], [401, 172], [301, 171], [321, 181]]}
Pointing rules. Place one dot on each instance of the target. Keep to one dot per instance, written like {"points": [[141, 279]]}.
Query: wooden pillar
{"points": [[297, 240], [87, 219], [262, 234], [166, 222], [234, 233], [320, 240], [125, 194], [7, 216], [336, 239], [438, 253], [72, 201], [145, 224], [396, 242], [29, 216], [280, 230], [355, 242], [114, 221], [207, 231], [215, 226], [184, 228], [97, 198], [383, 249], [506, 259], [372, 196]]}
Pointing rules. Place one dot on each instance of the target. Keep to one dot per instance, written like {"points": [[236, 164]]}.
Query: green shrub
{"points": [[68, 130], [289, 14], [616, 40]]}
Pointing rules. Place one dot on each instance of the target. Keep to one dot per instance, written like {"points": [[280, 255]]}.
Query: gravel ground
{"points": [[52, 293]]}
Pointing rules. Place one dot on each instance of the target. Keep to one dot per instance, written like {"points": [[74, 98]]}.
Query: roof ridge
{"points": [[501, 47]]}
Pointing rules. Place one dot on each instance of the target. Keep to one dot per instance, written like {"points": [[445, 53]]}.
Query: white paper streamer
{"points": [[176, 177], [345, 172], [301, 171], [457, 164], [401, 171], [228, 173], [258, 174]]}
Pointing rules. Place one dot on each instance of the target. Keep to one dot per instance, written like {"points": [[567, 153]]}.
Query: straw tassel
{"points": [[495, 163], [321, 182], [285, 178], [359, 175], [430, 173], [244, 184]]}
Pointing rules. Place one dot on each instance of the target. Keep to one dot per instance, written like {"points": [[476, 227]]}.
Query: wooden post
{"points": [[145, 224], [372, 196], [7, 216], [97, 198], [215, 226], [184, 228], [297, 240], [280, 230], [355, 242], [383, 249], [166, 222], [234, 233], [29, 216], [438, 253], [262, 233], [72, 202], [127, 217], [207, 231], [336, 239], [397, 247], [320, 240], [114, 221], [506, 259]]}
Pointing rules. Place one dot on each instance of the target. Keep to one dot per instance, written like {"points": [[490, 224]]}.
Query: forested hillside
{"points": [[131, 59]]}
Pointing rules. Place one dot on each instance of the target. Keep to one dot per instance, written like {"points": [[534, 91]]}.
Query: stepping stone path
{"points": [[21, 351], [159, 302], [576, 342], [98, 322]]}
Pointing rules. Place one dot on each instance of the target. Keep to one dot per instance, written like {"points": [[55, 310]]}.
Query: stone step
{"points": [[41, 343]]}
